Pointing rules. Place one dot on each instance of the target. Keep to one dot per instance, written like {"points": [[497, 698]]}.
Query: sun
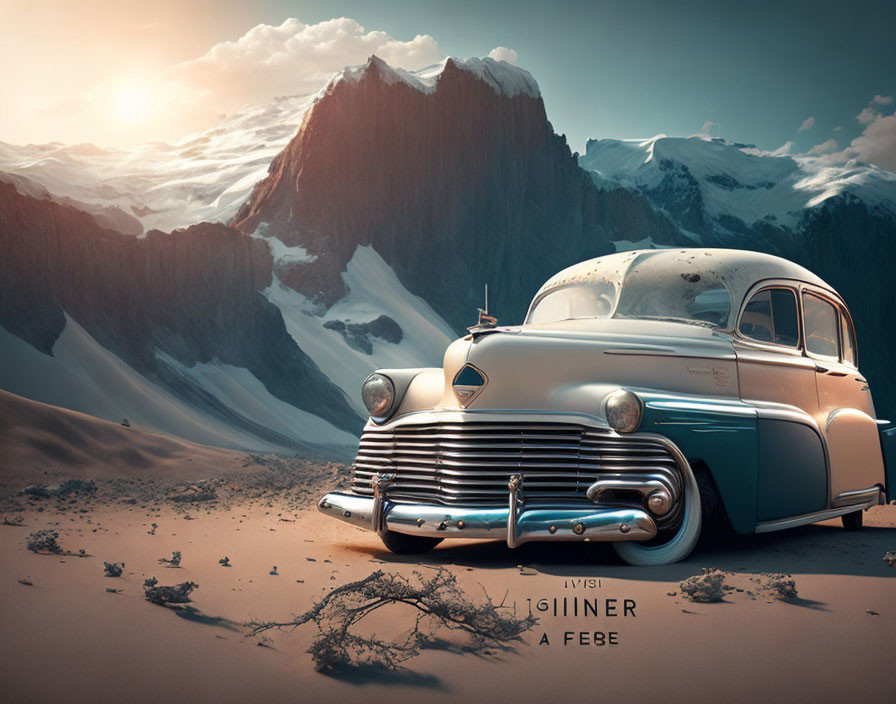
{"points": [[131, 104]]}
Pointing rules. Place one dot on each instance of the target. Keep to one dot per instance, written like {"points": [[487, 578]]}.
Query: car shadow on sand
{"points": [[813, 549]]}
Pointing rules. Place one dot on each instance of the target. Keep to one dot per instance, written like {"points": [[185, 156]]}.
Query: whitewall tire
{"points": [[679, 546]]}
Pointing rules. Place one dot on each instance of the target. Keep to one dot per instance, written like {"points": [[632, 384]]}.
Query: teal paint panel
{"points": [[793, 478], [720, 433]]}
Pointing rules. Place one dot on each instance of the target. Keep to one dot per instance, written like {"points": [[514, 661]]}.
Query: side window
{"points": [[849, 340], [822, 324], [771, 316]]}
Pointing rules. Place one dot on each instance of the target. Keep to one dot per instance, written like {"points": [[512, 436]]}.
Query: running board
{"points": [[806, 519]]}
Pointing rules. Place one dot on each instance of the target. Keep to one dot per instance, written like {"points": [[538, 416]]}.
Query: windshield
{"points": [[685, 289], [594, 299]]}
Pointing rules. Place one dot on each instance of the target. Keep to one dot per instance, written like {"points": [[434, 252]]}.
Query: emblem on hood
{"points": [[468, 384]]}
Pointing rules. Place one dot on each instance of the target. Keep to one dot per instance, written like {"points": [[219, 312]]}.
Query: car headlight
{"points": [[378, 395], [624, 410]]}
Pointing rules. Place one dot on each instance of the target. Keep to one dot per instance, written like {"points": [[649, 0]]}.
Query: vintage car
{"points": [[647, 394]]}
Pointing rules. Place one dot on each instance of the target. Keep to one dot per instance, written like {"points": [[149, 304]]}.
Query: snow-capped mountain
{"points": [[365, 220], [168, 330], [717, 188], [203, 177], [836, 219], [453, 176]]}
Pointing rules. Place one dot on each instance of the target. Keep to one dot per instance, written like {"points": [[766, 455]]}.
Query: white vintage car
{"points": [[646, 394]]}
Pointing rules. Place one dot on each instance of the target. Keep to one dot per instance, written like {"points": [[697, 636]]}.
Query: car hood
{"points": [[572, 365]]}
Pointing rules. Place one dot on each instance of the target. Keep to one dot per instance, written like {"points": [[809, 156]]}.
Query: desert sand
{"points": [[67, 637]]}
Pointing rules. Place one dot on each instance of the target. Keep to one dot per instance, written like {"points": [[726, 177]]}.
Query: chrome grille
{"points": [[470, 463]]}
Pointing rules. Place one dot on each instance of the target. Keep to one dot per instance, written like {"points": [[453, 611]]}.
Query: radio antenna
{"points": [[486, 299]]}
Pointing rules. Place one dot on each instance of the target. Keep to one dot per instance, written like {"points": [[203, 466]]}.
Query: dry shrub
{"points": [[168, 596], [436, 603]]}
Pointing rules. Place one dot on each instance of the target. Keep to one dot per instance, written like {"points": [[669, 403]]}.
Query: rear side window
{"points": [[849, 340], [771, 316], [822, 322]]}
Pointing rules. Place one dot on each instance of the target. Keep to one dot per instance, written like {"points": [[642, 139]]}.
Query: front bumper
{"points": [[515, 524]]}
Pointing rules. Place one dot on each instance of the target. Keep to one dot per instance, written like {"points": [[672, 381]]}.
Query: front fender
{"points": [[722, 433]]}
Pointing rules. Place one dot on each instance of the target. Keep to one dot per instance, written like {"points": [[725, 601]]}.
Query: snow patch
{"points": [[503, 77], [374, 290], [282, 253], [240, 390], [81, 375]]}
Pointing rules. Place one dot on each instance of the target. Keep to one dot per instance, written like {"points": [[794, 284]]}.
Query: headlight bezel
{"points": [[376, 415], [624, 411]]}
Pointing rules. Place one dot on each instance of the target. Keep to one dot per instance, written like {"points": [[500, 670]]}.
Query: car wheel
{"points": [[853, 521], [679, 545], [402, 544]]}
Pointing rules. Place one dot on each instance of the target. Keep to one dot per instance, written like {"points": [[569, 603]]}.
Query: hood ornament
{"points": [[486, 322]]}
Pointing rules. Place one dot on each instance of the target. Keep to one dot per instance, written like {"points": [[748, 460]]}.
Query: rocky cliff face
{"points": [[192, 295], [455, 185]]}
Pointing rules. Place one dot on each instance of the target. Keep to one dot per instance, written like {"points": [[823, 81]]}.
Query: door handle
{"points": [[820, 369]]}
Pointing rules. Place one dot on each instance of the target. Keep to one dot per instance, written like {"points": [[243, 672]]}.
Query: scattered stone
{"points": [[113, 569], [26, 582], [781, 586], [707, 588], [113, 590], [44, 542], [224, 561], [193, 493], [872, 612], [274, 571]]}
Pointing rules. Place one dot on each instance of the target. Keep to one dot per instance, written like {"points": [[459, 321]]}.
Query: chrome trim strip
{"points": [[805, 519], [644, 487], [859, 497], [534, 524]]}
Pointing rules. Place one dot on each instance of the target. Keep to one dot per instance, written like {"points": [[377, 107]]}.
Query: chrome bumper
{"points": [[515, 524]]}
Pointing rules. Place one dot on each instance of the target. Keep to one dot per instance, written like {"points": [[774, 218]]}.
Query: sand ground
{"points": [[66, 638]]}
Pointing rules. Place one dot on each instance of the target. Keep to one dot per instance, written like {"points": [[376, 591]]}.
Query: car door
{"points": [[776, 378], [845, 409]]}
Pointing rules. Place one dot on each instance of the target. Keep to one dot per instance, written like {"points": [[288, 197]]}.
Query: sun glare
{"points": [[130, 104]]}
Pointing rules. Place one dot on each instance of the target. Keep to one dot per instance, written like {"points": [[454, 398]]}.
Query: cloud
{"points": [[289, 59], [807, 124], [710, 129], [502, 53], [784, 149], [824, 148], [877, 144], [871, 112], [868, 115]]}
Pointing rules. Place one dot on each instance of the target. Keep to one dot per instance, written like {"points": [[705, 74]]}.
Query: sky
{"points": [[804, 77]]}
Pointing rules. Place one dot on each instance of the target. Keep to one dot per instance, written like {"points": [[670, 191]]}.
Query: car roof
{"points": [[741, 269]]}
